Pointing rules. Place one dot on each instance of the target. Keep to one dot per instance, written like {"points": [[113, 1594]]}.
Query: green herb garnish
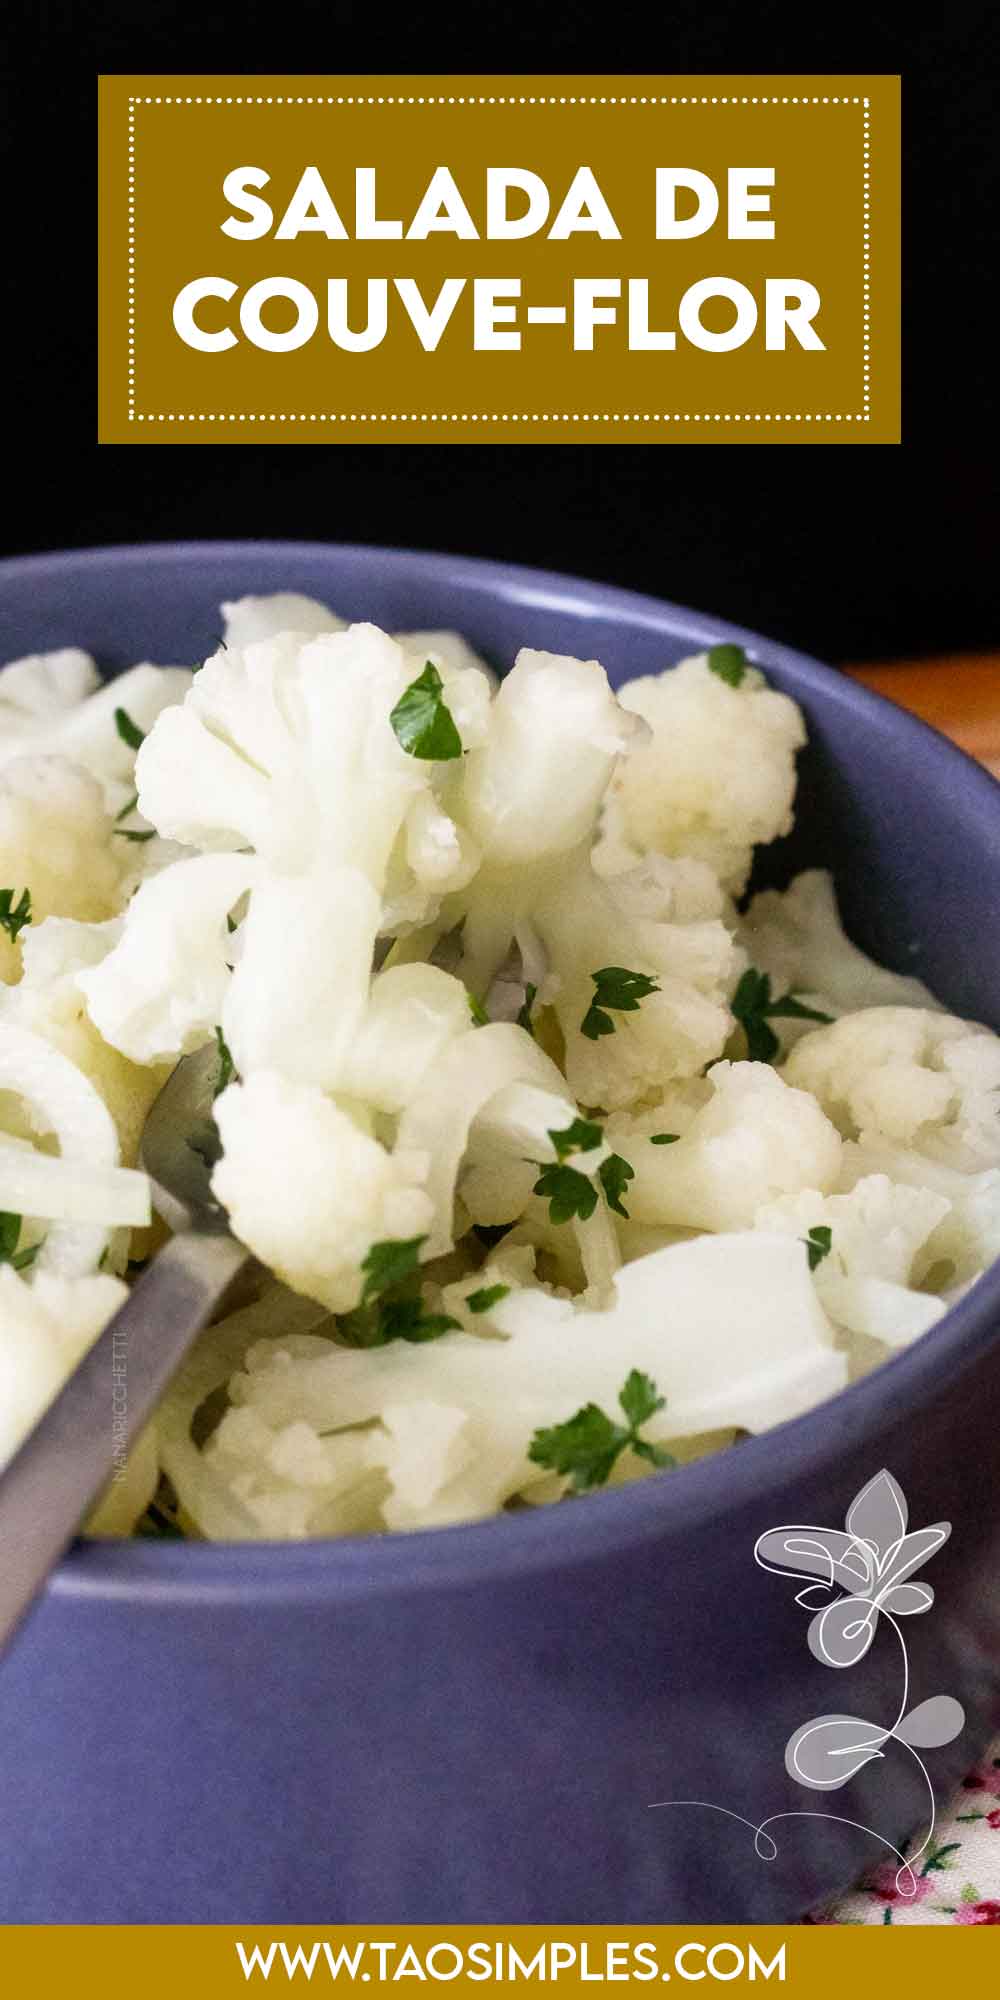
{"points": [[480, 1018], [754, 1009], [580, 1137], [615, 987], [388, 1263], [128, 730], [10, 1231], [819, 1244], [567, 1192], [405, 1319], [664, 1138], [614, 1174], [729, 662], [586, 1448], [227, 1067], [487, 1296], [14, 916], [422, 723]]}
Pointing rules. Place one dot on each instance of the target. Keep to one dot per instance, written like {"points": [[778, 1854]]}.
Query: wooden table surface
{"points": [[959, 694]]}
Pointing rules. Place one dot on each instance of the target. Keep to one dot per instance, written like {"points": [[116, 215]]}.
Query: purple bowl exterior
{"points": [[470, 1725]]}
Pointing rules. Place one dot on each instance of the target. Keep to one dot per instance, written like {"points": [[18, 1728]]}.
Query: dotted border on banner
{"points": [[504, 417]]}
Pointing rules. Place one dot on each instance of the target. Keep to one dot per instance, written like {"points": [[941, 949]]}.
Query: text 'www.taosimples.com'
{"points": [[502, 1962]]}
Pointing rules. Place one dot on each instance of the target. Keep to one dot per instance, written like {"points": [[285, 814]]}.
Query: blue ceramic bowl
{"points": [[472, 1724]]}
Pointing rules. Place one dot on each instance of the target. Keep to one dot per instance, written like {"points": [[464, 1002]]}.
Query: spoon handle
{"points": [[71, 1455]]}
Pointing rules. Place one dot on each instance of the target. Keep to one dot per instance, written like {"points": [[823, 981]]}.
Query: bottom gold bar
{"points": [[179, 1962]]}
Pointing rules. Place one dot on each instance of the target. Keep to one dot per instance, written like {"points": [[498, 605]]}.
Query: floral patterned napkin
{"points": [[957, 1876]]}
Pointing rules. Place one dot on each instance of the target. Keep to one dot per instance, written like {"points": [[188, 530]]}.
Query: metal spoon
{"points": [[68, 1460]]}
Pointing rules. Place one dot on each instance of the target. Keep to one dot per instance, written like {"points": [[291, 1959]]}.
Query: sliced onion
{"points": [[60, 1099], [58, 1190]]}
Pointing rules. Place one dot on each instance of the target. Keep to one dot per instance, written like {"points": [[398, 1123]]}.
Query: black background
{"points": [[849, 551]]}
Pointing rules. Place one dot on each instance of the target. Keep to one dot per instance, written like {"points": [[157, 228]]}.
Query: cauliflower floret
{"points": [[292, 1482], [448, 650], [910, 1078], [248, 619], [531, 795], [38, 688], [309, 1191], [55, 841], [717, 777], [496, 1088], [967, 1239], [587, 925], [49, 1001], [796, 936], [879, 1237], [45, 1328], [286, 746], [413, 1013], [554, 733], [300, 990], [160, 992], [755, 1141], [85, 731]]}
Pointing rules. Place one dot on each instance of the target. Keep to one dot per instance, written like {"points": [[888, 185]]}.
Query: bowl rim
{"points": [[205, 1574]]}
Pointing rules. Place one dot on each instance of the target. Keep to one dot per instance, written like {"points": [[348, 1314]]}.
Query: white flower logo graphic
{"points": [[869, 1564], [872, 1558]]}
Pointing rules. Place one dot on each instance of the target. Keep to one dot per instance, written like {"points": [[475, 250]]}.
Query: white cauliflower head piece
{"points": [[795, 935], [159, 992], [535, 786], [56, 839], [636, 925], [286, 746], [245, 620], [907, 1077], [755, 1141], [869, 1270], [716, 777], [308, 1190]]}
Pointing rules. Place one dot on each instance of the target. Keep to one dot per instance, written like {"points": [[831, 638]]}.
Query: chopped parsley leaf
{"points": [[487, 1296], [387, 1263], [754, 1008], [819, 1244], [568, 1193], [614, 1174], [729, 663], [664, 1138], [422, 723], [128, 730], [227, 1067], [480, 1018], [405, 1319], [10, 1231], [619, 989], [580, 1137], [14, 916], [586, 1448]]}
